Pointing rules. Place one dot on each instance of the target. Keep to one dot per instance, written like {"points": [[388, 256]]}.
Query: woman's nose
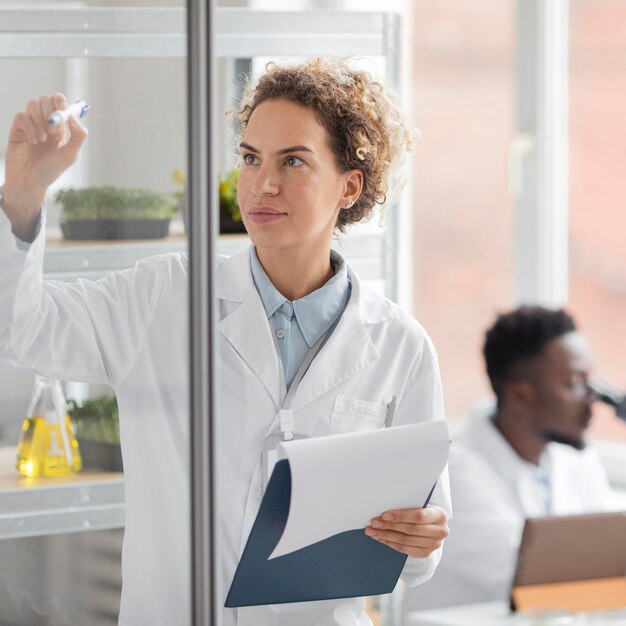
{"points": [[266, 181]]}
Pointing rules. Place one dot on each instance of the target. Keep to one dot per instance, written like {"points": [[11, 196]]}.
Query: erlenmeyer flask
{"points": [[47, 444]]}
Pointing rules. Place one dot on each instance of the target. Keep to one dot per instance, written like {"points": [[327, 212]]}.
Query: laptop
{"points": [[572, 562]]}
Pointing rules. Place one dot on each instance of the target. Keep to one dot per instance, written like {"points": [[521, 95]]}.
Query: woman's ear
{"points": [[353, 188]]}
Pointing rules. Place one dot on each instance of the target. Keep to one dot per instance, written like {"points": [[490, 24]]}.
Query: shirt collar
{"points": [[270, 296], [317, 311], [482, 429]]}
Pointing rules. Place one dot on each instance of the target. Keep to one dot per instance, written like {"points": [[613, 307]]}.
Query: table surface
{"points": [[498, 614], [490, 614]]}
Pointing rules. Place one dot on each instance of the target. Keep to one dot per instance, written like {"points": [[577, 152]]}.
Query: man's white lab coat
{"points": [[130, 330], [494, 491]]}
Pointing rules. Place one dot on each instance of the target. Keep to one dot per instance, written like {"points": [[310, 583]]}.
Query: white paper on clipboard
{"points": [[341, 482]]}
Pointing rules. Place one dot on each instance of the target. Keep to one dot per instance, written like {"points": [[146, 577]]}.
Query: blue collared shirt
{"points": [[298, 325]]}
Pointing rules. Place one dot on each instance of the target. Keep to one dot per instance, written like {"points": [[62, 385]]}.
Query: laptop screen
{"points": [[575, 562]]}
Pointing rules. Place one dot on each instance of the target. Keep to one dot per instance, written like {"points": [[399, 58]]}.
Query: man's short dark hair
{"points": [[519, 335]]}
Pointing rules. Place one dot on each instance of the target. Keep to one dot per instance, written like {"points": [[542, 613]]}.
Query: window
{"points": [[463, 103], [598, 191]]}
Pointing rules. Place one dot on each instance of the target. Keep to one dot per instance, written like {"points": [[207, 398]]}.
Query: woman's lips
{"points": [[264, 215]]}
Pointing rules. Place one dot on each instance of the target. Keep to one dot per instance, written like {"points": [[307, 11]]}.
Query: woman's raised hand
{"points": [[37, 154]]}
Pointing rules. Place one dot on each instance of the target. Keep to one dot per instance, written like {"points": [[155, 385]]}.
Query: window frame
{"points": [[538, 172]]}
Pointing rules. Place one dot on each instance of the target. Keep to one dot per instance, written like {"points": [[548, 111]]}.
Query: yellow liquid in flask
{"points": [[47, 450]]}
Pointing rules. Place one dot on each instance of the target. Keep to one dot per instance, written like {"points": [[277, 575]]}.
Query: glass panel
{"points": [[463, 103], [364, 247], [118, 346], [598, 192]]}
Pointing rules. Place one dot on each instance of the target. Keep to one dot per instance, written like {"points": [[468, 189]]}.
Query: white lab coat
{"points": [[130, 330], [494, 491]]}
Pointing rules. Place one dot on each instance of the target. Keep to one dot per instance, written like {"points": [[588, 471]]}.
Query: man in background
{"points": [[523, 455]]}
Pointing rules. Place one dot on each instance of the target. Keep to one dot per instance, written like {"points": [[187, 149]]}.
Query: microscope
{"points": [[610, 395]]}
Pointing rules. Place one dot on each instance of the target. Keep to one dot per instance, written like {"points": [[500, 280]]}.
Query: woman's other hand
{"points": [[416, 532]]}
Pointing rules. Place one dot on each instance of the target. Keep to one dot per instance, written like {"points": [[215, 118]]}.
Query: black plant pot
{"points": [[83, 230], [228, 225], [100, 455]]}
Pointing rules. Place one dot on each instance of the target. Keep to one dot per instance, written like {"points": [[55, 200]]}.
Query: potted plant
{"points": [[115, 213], [230, 215], [97, 429]]}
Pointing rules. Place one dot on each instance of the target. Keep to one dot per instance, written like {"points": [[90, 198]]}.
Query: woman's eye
{"points": [[294, 161], [249, 159]]}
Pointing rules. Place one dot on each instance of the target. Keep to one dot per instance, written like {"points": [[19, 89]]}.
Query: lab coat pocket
{"points": [[351, 414]]}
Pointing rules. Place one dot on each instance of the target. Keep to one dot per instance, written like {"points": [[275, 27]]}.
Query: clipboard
{"points": [[346, 564]]}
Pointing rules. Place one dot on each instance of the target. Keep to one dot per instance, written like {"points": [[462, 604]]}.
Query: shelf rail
{"points": [[161, 32]]}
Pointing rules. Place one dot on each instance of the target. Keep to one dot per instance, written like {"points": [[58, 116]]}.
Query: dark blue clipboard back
{"points": [[346, 565]]}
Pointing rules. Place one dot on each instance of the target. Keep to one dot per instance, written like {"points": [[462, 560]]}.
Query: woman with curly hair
{"points": [[299, 335]]}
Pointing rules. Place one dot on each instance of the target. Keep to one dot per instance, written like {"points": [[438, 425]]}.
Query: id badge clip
{"points": [[270, 443]]}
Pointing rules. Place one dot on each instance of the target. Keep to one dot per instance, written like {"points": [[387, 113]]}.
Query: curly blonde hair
{"points": [[367, 131]]}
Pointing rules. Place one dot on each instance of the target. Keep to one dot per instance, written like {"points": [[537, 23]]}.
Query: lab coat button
{"points": [[280, 333]]}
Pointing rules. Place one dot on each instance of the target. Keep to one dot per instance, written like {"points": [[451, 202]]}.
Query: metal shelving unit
{"points": [[90, 33], [160, 32], [44, 506]]}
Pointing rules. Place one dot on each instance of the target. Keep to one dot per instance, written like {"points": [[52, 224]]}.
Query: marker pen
{"points": [[78, 109]]}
